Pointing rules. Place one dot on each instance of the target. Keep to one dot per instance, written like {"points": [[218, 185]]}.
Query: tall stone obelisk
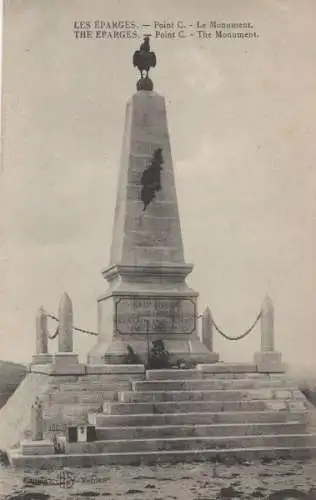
{"points": [[148, 298]]}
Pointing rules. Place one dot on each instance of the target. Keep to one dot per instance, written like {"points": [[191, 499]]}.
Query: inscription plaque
{"points": [[158, 314]]}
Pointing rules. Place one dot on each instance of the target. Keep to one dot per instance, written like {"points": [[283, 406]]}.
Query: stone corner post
{"points": [[65, 360], [207, 333], [37, 420], [65, 337], [41, 356], [268, 360]]}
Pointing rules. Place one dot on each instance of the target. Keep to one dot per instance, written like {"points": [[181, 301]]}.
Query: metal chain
{"points": [[80, 330], [243, 335], [52, 337]]}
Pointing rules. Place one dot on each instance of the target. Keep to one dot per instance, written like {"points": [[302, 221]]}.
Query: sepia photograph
{"points": [[157, 248]]}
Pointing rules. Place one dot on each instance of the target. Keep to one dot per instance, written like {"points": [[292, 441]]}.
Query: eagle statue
{"points": [[143, 58]]}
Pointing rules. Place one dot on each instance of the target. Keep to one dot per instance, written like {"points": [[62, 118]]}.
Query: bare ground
{"points": [[198, 481]]}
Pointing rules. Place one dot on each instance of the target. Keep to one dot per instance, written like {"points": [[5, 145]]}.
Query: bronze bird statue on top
{"points": [[143, 58]]}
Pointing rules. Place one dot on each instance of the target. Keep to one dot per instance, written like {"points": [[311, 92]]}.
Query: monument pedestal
{"points": [[159, 306]]}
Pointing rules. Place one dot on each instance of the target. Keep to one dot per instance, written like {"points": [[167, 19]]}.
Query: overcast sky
{"points": [[241, 116]]}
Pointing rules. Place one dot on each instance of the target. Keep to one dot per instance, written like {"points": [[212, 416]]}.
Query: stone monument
{"points": [[148, 298]]}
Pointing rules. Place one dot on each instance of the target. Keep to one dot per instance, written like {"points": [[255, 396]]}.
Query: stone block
{"points": [[45, 369], [42, 359], [118, 408], [140, 458], [298, 395], [219, 417], [115, 369], [147, 255], [260, 394], [133, 192], [137, 164], [203, 430], [158, 238], [226, 368], [70, 370], [267, 362], [173, 374], [188, 443], [276, 405], [65, 359], [66, 363], [297, 406], [282, 377], [43, 447], [194, 395], [144, 147], [213, 357], [163, 385], [283, 394], [145, 224]]}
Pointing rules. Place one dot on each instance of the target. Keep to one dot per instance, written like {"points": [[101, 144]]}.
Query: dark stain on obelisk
{"points": [[151, 178]]}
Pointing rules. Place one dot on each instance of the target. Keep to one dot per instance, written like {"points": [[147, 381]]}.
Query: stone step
{"points": [[207, 384], [89, 387], [195, 418], [197, 375], [59, 422], [207, 395], [200, 430], [221, 367], [79, 397], [228, 457], [192, 443], [65, 407], [249, 376], [230, 370], [67, 413], [174, 374], [113, 408]]}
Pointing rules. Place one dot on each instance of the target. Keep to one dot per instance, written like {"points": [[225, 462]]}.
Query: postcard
{"points": [[157, 243]]}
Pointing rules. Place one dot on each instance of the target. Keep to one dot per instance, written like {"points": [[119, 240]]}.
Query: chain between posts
{"points": [[80, 330], [227, 337], [239, 337]]}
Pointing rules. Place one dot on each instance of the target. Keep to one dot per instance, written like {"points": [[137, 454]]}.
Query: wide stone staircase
{"points": [[185, 415], [216, 412]]}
